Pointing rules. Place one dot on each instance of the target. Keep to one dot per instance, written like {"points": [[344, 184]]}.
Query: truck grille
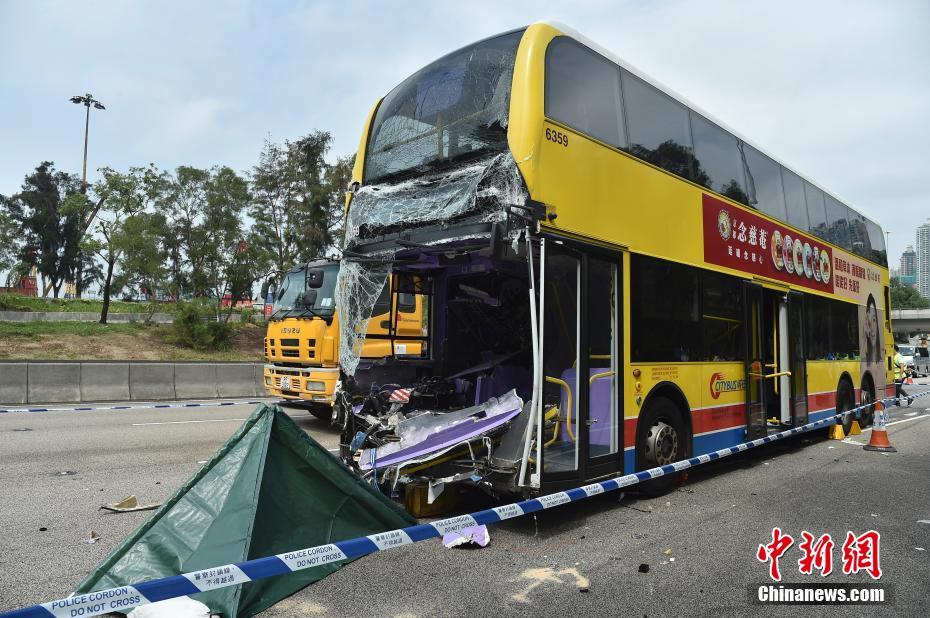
{"points": [[290, 342], [290, 353]]}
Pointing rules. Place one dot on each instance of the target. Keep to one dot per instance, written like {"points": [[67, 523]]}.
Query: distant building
{"points": [[923, 260], [23, 286], [908, 263]]}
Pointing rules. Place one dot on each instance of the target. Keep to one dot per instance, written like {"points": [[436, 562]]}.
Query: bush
{"points": [[248, 316], [192, 327]]}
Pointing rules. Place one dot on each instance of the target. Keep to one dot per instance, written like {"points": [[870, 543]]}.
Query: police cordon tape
{"points": [[124, 598], [143, 406]]}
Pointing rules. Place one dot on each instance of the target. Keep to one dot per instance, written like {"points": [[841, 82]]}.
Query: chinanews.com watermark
{"points": [[858, 553], [819, 594]]}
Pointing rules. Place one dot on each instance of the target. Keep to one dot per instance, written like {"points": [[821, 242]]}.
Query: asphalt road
{"points": [[698, 543]]}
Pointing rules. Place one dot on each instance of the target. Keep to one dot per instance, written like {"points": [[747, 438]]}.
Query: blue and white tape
{"points": [[141, 406], [126, 597]]}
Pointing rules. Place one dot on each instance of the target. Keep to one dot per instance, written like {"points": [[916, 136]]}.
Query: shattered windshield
{"points": [[453, 108], [289, 297]]}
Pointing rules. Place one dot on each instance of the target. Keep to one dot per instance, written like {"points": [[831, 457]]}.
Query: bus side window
{"points": [[887, 308], [583, 91]]}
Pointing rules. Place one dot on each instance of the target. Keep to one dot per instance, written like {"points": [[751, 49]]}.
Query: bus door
{"points": [[797, 358], [756, 425], [580, 429]]}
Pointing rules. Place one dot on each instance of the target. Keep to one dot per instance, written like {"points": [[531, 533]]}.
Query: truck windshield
{"points": [[453, 108], [289, 298]]}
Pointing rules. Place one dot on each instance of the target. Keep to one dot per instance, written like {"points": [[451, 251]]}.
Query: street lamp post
{"points": [[87, 100]]}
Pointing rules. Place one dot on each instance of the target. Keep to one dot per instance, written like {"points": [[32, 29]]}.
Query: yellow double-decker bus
{"points": [[617, 280]]}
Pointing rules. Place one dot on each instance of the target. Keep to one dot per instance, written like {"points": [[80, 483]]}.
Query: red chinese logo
{"points": [[817, 554], [775, 550], [860, 553]]}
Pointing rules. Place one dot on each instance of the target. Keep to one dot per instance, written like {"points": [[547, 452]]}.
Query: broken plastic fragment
{"points": [[93, 538], [476, 535], [128, 504], [427, 435]]}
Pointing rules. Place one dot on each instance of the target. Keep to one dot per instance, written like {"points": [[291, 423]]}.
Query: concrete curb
{"points": [[82, 316], [24, 382]]}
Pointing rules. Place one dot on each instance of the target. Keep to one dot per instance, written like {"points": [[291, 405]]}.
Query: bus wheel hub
{"points": [[662, 444]]}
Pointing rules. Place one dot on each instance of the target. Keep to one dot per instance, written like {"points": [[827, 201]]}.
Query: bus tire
{"points": [[324, 413], [661, 439], [867, 397], [845, 400]]}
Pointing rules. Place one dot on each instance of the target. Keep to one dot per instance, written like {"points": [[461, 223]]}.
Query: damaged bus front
{"points": [[440, 210]]}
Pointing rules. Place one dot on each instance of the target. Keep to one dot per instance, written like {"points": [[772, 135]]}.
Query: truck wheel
{"points": [[324, 413], [661, 440]]}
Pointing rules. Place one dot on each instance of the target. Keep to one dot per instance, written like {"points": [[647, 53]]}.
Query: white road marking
{"points": [[848, 440], [212, 420], [904, 420]]}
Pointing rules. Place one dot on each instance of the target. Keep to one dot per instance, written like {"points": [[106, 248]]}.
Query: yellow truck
{"points": [[302, 341]]}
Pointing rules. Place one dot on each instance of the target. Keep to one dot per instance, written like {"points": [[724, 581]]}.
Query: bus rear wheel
{"points": [[866, 414], [662, 440], [845, 400]]}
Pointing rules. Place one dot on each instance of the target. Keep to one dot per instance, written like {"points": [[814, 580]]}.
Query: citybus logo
{"points": [[719, 384]]}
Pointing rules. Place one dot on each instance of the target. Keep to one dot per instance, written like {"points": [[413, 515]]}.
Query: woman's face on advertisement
{"points": [[871, 322]]}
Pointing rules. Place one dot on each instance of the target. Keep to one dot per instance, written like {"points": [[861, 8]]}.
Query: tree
{"points": [[123, 227], [51, 232], [142, 261], [243, 268], [906, 297], [182, 204], [293, 206], [221, 232], [10, 234], [338, 178]]}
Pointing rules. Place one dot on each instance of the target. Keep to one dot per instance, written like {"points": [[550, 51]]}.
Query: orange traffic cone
{"points": [[878, 441], [909, 380]]}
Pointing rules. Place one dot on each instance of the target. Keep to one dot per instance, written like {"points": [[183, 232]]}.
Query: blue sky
{"points": [[838, 90]]}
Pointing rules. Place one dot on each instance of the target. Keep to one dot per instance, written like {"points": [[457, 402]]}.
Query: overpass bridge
{"points": [[910, 321]]}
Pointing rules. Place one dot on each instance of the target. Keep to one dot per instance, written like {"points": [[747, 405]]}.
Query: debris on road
{"points": [[644, 568], [93, 538], [129, 504], [475, 536]]}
